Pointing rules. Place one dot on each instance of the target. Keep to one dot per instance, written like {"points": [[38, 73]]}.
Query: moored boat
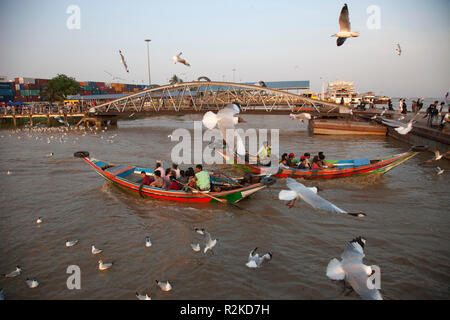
{"points": [[128, 177], [341, 169], [346, 127]]}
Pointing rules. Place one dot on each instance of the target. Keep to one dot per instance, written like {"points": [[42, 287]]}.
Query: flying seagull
{"points": [[209, 243], [164, 285], [148, 242], [143, 296], [255, 260], [404, 129], [180, 60], [32, 283], [195, 247], [352, 269], [344, 31], [309, 195], [122, 58], [399, 49], [439, 170], [226, 119], [301, 116], [39, 220]]}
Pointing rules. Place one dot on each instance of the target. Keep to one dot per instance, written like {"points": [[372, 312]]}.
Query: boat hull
{"points": [[345, 127]]}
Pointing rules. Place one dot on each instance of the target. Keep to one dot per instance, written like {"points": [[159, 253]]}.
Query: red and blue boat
{"points": [[341, 169], [128, 177]]}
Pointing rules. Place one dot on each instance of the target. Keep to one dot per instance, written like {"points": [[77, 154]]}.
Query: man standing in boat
{"points": [[202, 178]]}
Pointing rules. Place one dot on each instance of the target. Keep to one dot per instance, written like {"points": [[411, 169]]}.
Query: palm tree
{"points": [[175, 80]]}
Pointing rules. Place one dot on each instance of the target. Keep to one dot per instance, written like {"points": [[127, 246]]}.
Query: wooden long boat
{"points": [[128, 177], [346, 127], [341, 169]]}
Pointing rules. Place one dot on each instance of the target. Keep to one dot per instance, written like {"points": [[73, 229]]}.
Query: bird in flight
{"points": [[123, 61], [180, 60], [399, 49], [344, 31]]}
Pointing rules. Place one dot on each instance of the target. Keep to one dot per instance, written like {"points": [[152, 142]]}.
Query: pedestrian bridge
{"points": [[201, 96]]}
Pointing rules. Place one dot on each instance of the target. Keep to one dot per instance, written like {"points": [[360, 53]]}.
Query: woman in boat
{"points": [[315, 163], [284, 156], [304, 161], [159, 182], [284, 164], [174, 185], [322, 161]]}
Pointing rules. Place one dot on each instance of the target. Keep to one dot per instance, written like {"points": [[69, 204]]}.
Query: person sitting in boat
{"points": [[284, 156], [159, 182], [145, 179], [167, 176], [183, 179], [290, 160], [315, 163], [176, 170], [174, 185], [284, 164], [304, 161], [159, 168], [322, 161], [202, 178]]}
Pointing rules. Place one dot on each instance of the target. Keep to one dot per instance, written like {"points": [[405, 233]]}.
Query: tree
{"points": [[60, 87], [175, 80]]}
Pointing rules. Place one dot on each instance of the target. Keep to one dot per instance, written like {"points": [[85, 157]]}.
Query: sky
{"points": [[261, 40]]}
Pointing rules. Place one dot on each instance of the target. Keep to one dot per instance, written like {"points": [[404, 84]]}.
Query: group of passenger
{"points": [[318, 161], [175, 179]]}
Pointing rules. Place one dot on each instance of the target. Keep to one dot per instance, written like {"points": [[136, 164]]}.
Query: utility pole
{"points": [[148, 60]]}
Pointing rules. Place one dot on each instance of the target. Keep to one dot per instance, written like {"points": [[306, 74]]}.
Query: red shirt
{"points": [[174, 186], [315, 166], [146, 180]]}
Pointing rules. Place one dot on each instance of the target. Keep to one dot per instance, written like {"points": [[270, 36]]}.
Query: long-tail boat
{"points": [[128, 177], [340, 169]]}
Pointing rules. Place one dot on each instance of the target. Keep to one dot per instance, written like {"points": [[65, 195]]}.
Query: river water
{"points": [[407, 225]]}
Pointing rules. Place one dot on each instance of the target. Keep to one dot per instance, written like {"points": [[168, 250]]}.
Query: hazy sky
{"points": [[262, 40]]}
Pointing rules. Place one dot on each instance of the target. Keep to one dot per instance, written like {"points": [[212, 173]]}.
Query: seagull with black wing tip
{"points": [[344, 23], [255, 260], [178, 59], [352, 270]]}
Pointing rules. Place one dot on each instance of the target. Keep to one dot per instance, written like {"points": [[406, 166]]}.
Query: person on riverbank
{"points": [[400, 106], [390, 107], [419, 104], [430, 114], [405, 107], [442, 114], [202, 178], [414, 106]]}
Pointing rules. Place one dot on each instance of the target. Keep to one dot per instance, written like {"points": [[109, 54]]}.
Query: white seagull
{"points": [[95, 250], [437, 155], [439, 170], [32, 283], [309, 195], [50, 155], [71, 243], [9, 173], [195, 247], [122, 58], [39, 220], [344, 23], [209, 243], [164, 285], [148, 242], [180, 60], [301, 116], [104, 265], [352, 269], [255, 261], [226, 120], [200, 231], [404, 129], [14, 273], [398, 49], [143, 296]]}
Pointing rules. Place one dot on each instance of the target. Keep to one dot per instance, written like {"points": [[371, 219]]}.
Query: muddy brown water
{"points": [[407, 227]]}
